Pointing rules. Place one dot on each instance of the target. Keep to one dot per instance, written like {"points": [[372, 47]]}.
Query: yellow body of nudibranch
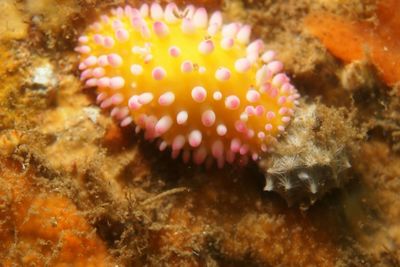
{"points": [[189, 80]]}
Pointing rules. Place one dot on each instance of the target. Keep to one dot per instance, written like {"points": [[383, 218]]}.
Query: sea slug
{"points": [[200, 87]]}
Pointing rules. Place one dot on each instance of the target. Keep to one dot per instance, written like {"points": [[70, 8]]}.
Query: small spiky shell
{"points": [[307, 164], [189, 80]]}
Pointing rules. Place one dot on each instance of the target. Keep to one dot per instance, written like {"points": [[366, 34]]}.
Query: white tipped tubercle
{"points": [[242, 65], [206, 47], [221, 130], [187, 66], [188, 12], [145, 98], [169, 13], [217, 95], [160, 29], [199, 94], [178, 142], [216, 18], [200, 18], [217, 149], [230, 30], [166, 99], [208, 118], [159, 73], [195, 138], [182, 117], [117, 82], [232, 102], [188, 26], [144, 10], [114, 60], [227, 43], [156, 11], [200, 155], [122, 35], [243, 35], [253, 96], [136, 69], [174, 51], [223, 74], [163, 125]]}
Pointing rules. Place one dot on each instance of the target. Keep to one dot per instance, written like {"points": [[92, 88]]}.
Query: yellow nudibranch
{"points": [[187, 80]]}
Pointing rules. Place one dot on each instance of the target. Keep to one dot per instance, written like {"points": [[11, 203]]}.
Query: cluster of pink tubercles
{"points": [[190, 82]]}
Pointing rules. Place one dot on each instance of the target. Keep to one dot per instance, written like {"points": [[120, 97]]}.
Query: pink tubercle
{"points": [[122, 35], [160, 29], [275, 66], [133, 102], [114, 60], [182, 117], [206, 47], [216, 18], [145, 98], [268, 127], [188, 26], [200, 18], [195, 138], [126, 121], [178, 142], [232, 102], [268, 56], [217, 149], [240, 126], [166, 99], [199, 155], [136, 69], [230, 30], [208, 118], [256, 46], [187, 66], [242, 65], [103, 82], [227, 43], [156, 11], [159, 73], [117, 82], [223, 74], [109, 42], [221, 130], [163, 125], [271, 115], [259, 110], [98, 72], [83, 39], [98, 39], [199, 94], [235, 145], [244, 33], [90, 61], [91, 82], [174, 51], [169, 13], [253, 96]]}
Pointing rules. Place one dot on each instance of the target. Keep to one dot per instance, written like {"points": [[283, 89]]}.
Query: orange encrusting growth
{"points": [[189, 80], [355, 40], [40, 228]]}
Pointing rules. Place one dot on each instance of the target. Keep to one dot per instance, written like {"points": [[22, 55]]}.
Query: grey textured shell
{"points": [[302, 168]]}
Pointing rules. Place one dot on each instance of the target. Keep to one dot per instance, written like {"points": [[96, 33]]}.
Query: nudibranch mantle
{"points": [[186, 79]]}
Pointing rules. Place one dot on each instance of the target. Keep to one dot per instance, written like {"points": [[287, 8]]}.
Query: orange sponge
{"points": [[355, 40]]}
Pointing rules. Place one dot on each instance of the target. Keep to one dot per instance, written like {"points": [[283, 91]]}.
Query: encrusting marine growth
{"points": [[181, 76]]}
